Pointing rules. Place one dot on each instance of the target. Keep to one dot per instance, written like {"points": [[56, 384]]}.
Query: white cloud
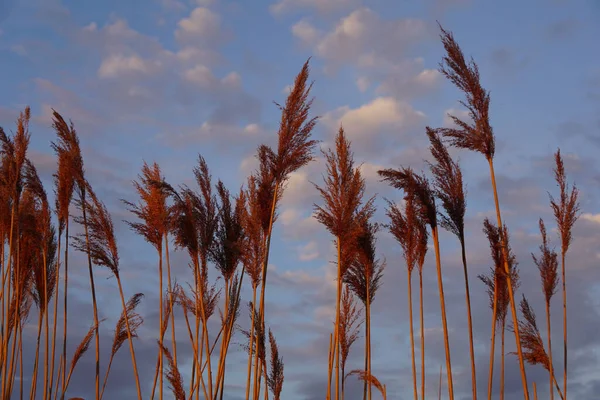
{"points": [[116, 65], [202, 23], [363, 32], [306, 32], [322, 6], [591, 217], [309, 252], [200, 74], [369, 119], [233, 79]]}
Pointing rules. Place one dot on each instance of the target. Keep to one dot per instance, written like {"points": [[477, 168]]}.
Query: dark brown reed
{"points": [[276, 376], [418, 189], [343, 214], [135, 320], [81, 349], [497, 290], [533, 345], [153, 212], [566, 212], [547, 264], [477, 135], [372, 379], [449, 189], [173, 375], [69, 171], [100, 243], [350, 322], [294, 150], [421, 252], [404, 228]]}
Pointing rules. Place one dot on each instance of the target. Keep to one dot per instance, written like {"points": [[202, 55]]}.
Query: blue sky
{"points": [[166, 80]]}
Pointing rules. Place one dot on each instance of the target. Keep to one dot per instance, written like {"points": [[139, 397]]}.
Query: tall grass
{"points": [[225, 229]]}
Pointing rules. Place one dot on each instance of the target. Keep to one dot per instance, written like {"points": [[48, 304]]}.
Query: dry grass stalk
{"points": [[404, 228], [173, 375], [14, 152], [343, 214], [294, 150], [477, 135], [566, 212], [497, 290], [128, 316], [372, 379], [421, 253], [547, 264], [363, 277], [69, 171], [82, 348], [100, 244], [154, 214], [275, 377], [531, 340], [417, 189], [350, 322], [450, 190]]}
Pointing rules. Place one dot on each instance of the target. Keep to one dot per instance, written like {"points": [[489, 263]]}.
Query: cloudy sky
{"points": [[166, 80]]}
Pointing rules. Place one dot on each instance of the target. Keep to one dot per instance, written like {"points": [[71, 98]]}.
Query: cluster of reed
{"points": [[347, 214], [232, 232]]}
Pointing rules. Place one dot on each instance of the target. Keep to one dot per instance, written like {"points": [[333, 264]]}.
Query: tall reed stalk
{"points": [[477, 135], [417, 187], [344, 214], [364, 279], [566, 213], [547, 264], [497, 290]]}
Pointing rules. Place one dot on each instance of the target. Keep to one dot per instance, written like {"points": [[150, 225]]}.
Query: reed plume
{"points": [[173, 375], [363, 277], [497, 290], [44, 267], [531, 340], [343, 214], [128, 316], [294, 150], [14, 153], [69, 171], [154, 214], [404, 229], [418, 189], [100, 243], [350, 322], [372, 379], [275, 378], [547, 264], [449, 189], [254, 244], [566, 212], [81, 349], [477, 135]]}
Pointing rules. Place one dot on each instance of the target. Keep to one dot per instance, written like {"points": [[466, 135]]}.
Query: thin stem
{"points": [[513, 309], [434, 234], [422, 334], [469, 319], [133, 360], [412, 335]]}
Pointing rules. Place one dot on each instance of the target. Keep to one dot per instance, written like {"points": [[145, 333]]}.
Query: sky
{"points": [[167, 80]]}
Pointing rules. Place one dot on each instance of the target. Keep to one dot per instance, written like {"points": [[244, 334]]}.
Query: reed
{"points": [[343, 214], [566, 212], [418, 189], [497, 290], [547, 264]]}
